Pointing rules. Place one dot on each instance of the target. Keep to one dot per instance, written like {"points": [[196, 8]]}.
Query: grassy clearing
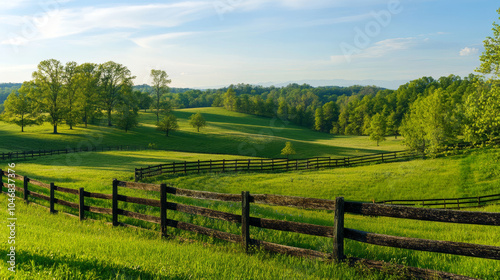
{"points": [[472, 174], [227, 133], [61, 247]]}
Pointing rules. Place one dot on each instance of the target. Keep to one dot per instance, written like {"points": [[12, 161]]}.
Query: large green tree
{"points": [[431, 123], [490, 58], [88, 79], [483, 114], [49, 81], [160, 87], [378, 128], [116, 80], [20, 109], [72, 110]]}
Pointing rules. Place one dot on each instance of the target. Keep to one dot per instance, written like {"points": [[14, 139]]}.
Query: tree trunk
{"points": [[167, 132], [22, 123], [109, 117], [55, 129], [85, 118], [198, 129]]}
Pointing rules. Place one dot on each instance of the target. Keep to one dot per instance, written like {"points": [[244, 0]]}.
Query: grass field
{"points": [[227, 133], [56, 246], [475, 173], [60, 247]]}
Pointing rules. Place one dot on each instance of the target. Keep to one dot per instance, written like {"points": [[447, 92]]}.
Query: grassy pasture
{"points": [[457, 176], [227, 133]]}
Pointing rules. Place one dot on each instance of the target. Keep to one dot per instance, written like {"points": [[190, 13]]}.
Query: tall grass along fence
{"points": [[281, 164], [39, 153], [447, 203], [337, 232]]}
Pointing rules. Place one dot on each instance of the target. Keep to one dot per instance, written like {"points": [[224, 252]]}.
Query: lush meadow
{"points": [[56, 246]]}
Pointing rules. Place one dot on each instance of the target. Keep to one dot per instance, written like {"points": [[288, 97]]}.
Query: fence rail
{"points": [[336, 231], [39, 153], [446, 203], [280, 164]]}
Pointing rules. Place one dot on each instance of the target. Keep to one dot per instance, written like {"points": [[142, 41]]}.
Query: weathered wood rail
{"points": [[446, 203], [23, 155], [337, 232], [262, 165]]}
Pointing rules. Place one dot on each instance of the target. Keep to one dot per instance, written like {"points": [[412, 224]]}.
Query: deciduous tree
{"points": [[167, 124], [19, 108], [160, 87], [197, 121], [49, 81]]}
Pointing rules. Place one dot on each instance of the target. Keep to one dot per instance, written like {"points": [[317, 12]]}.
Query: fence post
{"points": [[223, 165], [52, 198], [338, 230], [136, 178], [1, 182], [115, 202], [245, 219], [25, 185], [198, 166], [163, 209], [82, 204], [185, 170]]}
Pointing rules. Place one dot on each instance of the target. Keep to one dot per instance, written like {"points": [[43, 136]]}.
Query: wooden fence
{"points": [[446, 203], [337, 232], [39, 153], [281, 164]]}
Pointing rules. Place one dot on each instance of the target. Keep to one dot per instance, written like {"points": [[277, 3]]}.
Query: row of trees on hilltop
{"points": [[73, 94]]}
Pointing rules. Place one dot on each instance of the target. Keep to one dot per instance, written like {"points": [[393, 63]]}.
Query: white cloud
{"points": [[379, 49], [468, 51], [65, 22], [152, 41]]}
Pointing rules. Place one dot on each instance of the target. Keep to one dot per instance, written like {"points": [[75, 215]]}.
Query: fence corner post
{"points": [[136, 178], [52, 198], [163, 209], [338, 231], [25, 186], [115, 202], [245, 220], [81, 207]]}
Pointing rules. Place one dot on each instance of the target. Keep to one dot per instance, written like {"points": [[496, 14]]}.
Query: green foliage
{"points": [[288, 150], [160, 88], [378, 128], [490, 58], [20, 109], [87, 80], [167, 124], [50, 95], [319, 119], [230, 99], [197, 121], [432, 122], [71, 100], [116, 80], [482, 114]]}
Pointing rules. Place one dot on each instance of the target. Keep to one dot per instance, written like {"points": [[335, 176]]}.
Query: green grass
{"points": [[227, 133], [475, 173], [60, 247]]}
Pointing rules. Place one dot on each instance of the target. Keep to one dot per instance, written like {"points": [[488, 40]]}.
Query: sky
{"points": [[211, 43]]}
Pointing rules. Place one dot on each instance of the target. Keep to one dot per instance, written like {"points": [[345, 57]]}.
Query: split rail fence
{"points": [[281, 164], [337, 232], [39, 153], [446, 203]]}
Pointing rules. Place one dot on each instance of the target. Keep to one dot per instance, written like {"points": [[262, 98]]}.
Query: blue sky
{"points": [[203, 43]]}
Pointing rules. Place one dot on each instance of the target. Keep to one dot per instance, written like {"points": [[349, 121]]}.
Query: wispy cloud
{"points": [[468, 51], [65, 22], [379, 49], [155, 40]]}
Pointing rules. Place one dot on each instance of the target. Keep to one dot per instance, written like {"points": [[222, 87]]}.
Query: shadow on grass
{"points": [[67, 267]]}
